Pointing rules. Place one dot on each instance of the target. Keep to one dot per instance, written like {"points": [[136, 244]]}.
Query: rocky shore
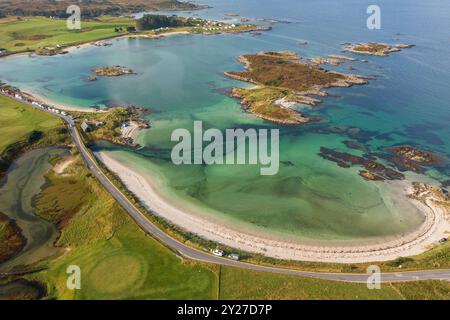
{"points": [[375, 48], [413, 159], [114, 71]]}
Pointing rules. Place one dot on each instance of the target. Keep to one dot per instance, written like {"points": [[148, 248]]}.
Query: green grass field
{"points": [[117, 259], [17, 120], [244, 284], [30, 34]]}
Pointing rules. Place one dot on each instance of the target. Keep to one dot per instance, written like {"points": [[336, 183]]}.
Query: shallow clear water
{"points": [[180, 79]]}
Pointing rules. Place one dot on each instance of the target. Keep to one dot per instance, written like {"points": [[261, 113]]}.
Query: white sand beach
{"points": [[60, 106], [435, 226]]}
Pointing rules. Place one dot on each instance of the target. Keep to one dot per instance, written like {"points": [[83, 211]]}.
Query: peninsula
{"points": [[281, 82]]}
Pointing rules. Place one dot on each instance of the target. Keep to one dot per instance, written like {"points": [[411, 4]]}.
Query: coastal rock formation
{"points": [[376, 49], [413, 159], [114, 71], [374, 170], [279, 76], [423, 191], [340, 57], [370, 176], [330, 61], [118, 125]]}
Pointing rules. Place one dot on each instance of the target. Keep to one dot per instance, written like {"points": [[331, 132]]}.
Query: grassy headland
{"points": [[17, 120], [24, 128], [107, 125], [46, 35], [282, 82]]}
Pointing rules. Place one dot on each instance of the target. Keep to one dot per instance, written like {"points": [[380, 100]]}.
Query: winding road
{"points": [[194, 254]]}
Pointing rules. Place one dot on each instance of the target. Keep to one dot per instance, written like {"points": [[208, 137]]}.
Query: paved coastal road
{"points": [[198, 255], [195, 254]]}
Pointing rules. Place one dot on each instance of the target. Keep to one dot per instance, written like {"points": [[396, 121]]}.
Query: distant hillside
{"points": [[89, 8]]}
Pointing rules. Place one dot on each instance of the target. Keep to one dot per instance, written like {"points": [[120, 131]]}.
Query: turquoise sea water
{"points": [[180, 79]]}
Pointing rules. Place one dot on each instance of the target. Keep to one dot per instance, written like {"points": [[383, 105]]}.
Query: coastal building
{"points": [[86, 127]]}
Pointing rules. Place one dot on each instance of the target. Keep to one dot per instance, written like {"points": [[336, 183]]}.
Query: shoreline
{"points": [[131, 132], [434, 227], [57, 105]]}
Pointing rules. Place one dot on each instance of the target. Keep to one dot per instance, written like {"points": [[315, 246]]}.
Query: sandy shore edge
{"points": [[436, 225]]}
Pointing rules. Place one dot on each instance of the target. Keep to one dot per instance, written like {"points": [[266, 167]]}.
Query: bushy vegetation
{"points": [[261, 101], [91, 8], [156, 21], [111, 122], [11, 238], [272, 70]]}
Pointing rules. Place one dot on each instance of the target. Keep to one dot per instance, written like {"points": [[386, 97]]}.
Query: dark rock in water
{"points": [[445, 183], [338, 129], [370, 176], [415, 155], [346, 160], [406, 165], [354, 145], [407, 158], [369, 156]]}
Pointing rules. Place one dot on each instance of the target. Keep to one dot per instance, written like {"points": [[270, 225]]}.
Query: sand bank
{"points": [[434, 227]]}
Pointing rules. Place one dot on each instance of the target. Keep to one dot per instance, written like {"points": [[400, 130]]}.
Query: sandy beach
{"points": [[435, 226], [65, 107]]}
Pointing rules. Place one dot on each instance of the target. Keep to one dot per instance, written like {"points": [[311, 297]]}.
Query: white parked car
{"points": [[234, 256], [218, 252]]}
